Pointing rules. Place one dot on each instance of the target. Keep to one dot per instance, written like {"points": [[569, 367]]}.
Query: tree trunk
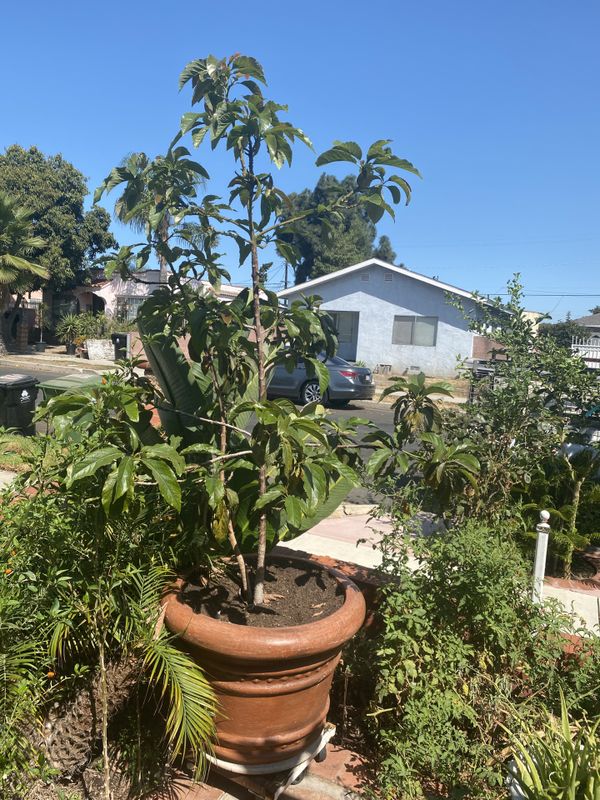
{"points": [[162, 261], [259, 583]]}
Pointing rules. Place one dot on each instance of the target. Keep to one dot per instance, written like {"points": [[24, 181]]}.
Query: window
{"points": [[415, 330], [128, 307]]}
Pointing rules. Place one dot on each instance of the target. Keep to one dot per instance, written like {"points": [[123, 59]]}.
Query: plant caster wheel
{"points": [[321, 755]]}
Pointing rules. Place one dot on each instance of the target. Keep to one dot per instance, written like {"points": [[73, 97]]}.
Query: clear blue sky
{"points": [[496, 102]]}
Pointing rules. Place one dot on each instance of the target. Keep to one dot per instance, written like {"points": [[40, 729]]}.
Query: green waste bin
{"points": [[18, 394], [68, 383]]}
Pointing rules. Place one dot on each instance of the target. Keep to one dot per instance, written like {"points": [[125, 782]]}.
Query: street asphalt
{"points": [[379, 413]]}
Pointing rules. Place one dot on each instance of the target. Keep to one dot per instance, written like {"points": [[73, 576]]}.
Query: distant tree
{"points": [[53, 190], [562, 332], [595, 310], [384, 250], [17, 247], [351, 234]]}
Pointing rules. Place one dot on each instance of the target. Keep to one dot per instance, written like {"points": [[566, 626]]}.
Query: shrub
{"points": [[460, 645], [83, 562]]}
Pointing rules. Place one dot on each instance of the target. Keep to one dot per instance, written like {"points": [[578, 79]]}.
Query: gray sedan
{"points": [[346, 383]]}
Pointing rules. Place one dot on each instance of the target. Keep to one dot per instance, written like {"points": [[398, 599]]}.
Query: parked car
{"points": [[346, 382]]}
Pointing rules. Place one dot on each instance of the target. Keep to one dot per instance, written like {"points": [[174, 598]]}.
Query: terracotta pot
{"points": [[272, 683]]}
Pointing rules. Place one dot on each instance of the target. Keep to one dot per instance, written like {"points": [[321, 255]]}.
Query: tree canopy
{"points": [[53, 191], [350, 236], [563, 332]]}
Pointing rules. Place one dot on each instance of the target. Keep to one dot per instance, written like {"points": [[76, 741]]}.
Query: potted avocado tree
{"points": [[269, 632]]}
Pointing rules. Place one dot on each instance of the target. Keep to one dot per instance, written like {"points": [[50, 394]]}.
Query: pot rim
{"points": [[256, 644]]}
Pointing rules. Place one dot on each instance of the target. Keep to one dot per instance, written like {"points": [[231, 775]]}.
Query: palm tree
{"points": [[140, 197], [17, 244]]}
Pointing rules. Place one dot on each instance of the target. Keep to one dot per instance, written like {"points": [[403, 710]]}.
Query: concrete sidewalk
{"points": [[54, 361]]}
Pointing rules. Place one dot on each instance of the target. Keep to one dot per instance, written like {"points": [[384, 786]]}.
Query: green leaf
{"points": [[166, 481], [215, 490], [124, 478], [377, 460], [188, 120], [294, 508], [350, 147], [249, 66], [404, 185], [91, 463], [321, 372], [108, 491], [339, 152], [315, 484], [270, 496], [166, 453], [198, 135]]}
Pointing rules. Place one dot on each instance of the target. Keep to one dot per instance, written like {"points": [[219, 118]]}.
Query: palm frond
{"points": [[191, 702]]}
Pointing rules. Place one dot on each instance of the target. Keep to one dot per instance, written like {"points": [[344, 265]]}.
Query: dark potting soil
{"points": [[293, 596]]}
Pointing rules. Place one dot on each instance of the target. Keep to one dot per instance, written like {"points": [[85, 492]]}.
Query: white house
{"points": [[392, 317], [122, 299]]}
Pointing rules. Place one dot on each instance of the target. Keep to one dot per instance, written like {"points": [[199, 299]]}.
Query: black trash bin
{"points": [[18, 394], [120, 342]]}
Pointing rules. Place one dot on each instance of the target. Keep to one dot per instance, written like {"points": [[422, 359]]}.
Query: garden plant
{"points": [[88, 545], [258, 483]]}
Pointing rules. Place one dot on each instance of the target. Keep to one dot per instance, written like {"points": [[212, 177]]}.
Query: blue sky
{"points": [[497, 103]]}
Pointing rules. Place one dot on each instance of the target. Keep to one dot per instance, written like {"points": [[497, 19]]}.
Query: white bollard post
{"points": [[541, 549]]}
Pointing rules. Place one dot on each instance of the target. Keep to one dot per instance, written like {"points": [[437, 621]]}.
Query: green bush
{"points": [[459, 647], [84, 559]]}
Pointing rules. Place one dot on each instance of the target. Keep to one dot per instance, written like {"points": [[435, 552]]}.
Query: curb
{"points": [[352, 510]]}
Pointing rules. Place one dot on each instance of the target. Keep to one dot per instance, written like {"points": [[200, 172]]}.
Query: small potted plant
{"points": [[67, 331], [268, 632]]}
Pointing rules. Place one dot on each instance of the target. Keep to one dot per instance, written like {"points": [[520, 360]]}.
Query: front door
{"points": [[346, 323]]}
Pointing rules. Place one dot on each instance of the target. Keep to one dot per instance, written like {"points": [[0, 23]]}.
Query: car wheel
{"points": [[310, 392]]}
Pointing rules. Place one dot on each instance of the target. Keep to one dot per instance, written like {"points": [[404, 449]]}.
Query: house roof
{"points": [[592, 321], [375, 262]]}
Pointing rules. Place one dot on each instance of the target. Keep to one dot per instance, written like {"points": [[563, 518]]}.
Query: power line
{"points": [[540, 294]]}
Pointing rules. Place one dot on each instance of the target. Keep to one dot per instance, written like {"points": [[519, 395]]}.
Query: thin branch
{"points": [[204, 419]]}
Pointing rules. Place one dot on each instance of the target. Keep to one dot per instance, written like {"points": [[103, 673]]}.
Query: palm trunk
{"points": [[74, 734], [4, 301]]}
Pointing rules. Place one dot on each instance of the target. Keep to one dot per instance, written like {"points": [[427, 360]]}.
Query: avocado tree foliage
{"points": [[266, 468]]}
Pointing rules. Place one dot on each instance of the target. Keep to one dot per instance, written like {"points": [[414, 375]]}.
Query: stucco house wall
{"points": [[378, 294]]}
